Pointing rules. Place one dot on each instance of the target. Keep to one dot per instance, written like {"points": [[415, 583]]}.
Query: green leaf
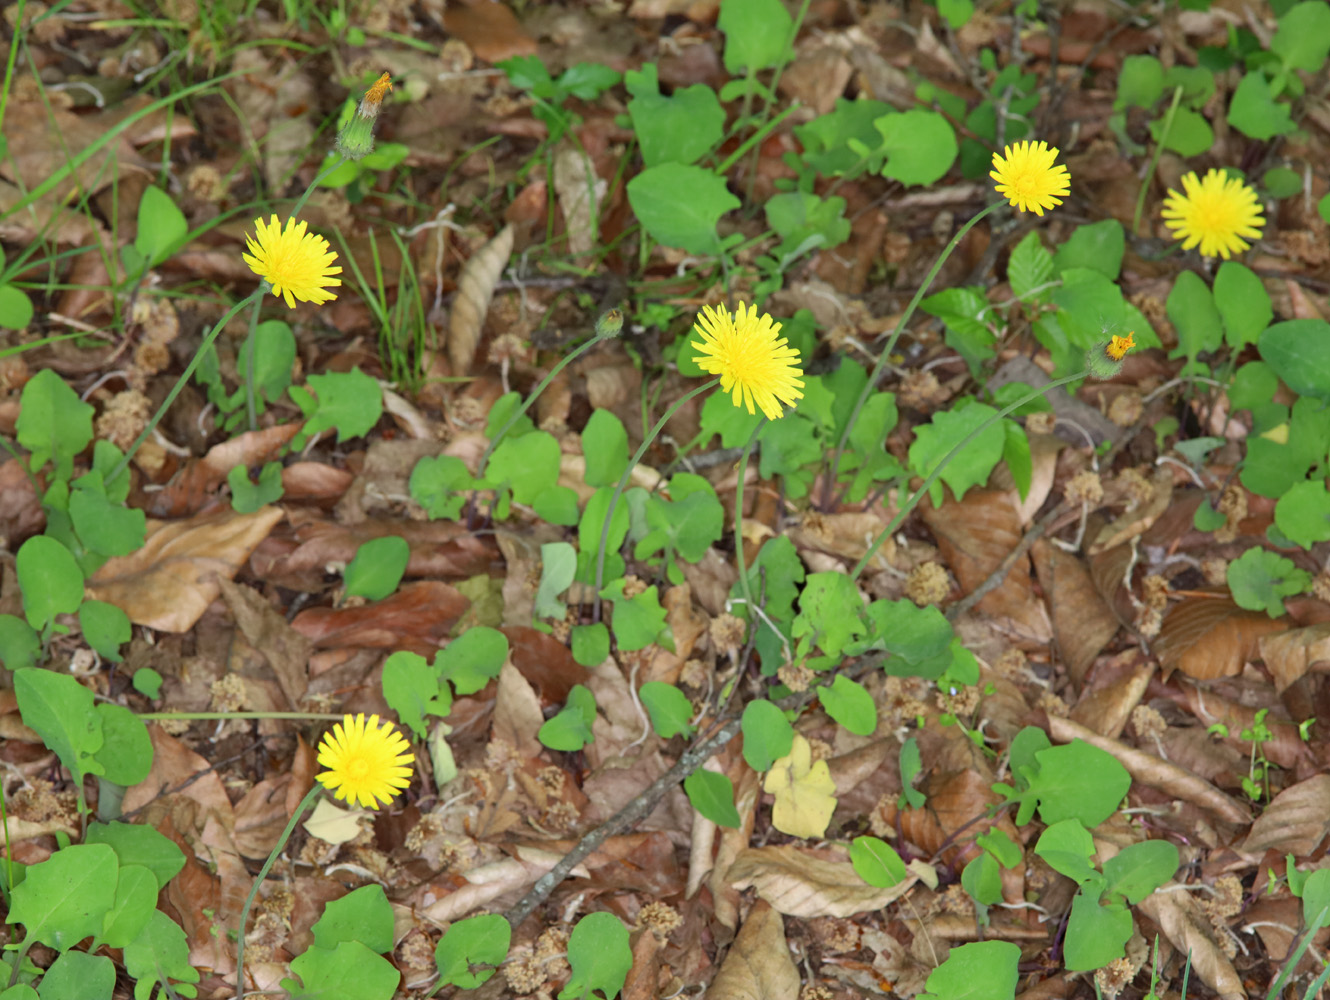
{"points": [[680, 205], [1243, 303], [439, 485], [914, 634], [1191, 307], [161, 226], [570, 730], [53, 423], [712, 795], [126, 752], [363, 915], [967, 315], [479, 940], [65, 898], [982, 970], [1261, 579], [140, 845], [76, 975], [977, 439], [849, 703], [1139, 869], [590, 644], [605, 443], [1002, 847], [106, 528], [982, 879], [679, 128], [15, 308], [920, 146], [1030, 268], [473, 659], [638, 621], [876, 862], [1303, 38], [349, 970], [351, 402], [844, 143], [1190, 134], [767, 734], [829, 612], [1303, 513], [146, 681], [1299, 352], [586, 80], [247, 496], [1254, 112], [805, 222], [558, 569], [1097, 246], [1315, 897], [600, 955], [274, 348], [412, 689], [1078, 781], [1068, 848], [669, 708], [20, 645], [528, 465], [1140, 83], [135, 901], [377, 567], [1096, 935], [911, 766], [63, 713], [757, 34]]}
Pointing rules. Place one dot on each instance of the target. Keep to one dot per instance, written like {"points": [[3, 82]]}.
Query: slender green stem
{"points": [[300, 203], [251, 345], [212, 716], [627, 473], [315, 790], [739, 522], [18, 958], [123, 464], [1154, 160], [9, 852], [871, 384], [526, 404], [13, 57], [932, 477], [754, 139]]}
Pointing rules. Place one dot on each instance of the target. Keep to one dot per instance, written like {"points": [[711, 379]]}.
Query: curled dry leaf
{"points": [[475, 288], [1296, 820], [1137, 519], [266, 628], [417, 617], [803, 883], [758, 966], [169, 582], [197, 483], [1153, 771], [1082, 623], [1207, 637], [1118, 688], [1188, 929], [580, 193], [1290, 655]]}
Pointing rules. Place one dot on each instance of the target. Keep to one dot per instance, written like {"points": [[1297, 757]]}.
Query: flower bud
{"points": [[356, 139], [610, 324]]}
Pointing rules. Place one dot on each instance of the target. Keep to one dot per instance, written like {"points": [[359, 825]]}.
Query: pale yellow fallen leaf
{"points": [[333, 824], [804, 790]]}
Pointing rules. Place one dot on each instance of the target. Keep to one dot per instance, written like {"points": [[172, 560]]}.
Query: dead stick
{"points": [[627, 817]]}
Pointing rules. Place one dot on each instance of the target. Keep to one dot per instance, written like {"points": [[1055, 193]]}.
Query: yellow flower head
{"points": [[1119, 346], [753, 362], [1027, 178], [367, 763], [1216, 212], [296, 263]]}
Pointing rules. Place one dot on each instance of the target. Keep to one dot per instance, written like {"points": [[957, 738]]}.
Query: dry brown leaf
{"points": [[490, 29], [758, 965], [1208, 638], [1082, 623], [643, 982], [1183, 923], [266, 628], [260, 816], [1153, 771], [517, 714], [475, 288], [580, 194], [1137, 520], [974, 536], [417, 617], [196, 484], [803, 883], [1295, 821], [1117, 688], [1044, 449], [21, 511], [1289, 655], [169, 582]]}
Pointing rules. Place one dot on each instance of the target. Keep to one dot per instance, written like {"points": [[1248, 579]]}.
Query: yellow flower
{"points": [[754, 364], [296, 263], [1216, 212], [365, 762], [1119, 346], [1027, 178]]}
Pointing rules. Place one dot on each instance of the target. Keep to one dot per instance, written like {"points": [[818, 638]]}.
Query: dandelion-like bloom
{"points": [[295, 262], [1119, 346], [1027, 178], [367, 763], [754, 363], [1216, 212]]}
